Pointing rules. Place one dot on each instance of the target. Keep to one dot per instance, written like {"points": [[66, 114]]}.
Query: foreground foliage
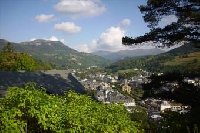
{"points": [[30, 109]]}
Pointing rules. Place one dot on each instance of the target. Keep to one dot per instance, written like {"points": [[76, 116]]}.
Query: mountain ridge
{"points": [[122, 54], [183, 59], [57, 53]]}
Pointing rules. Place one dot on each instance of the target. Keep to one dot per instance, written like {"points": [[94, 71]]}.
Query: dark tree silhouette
{"points": [[186, 28]]}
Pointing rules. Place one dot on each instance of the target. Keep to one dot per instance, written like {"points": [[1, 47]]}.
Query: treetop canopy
{"points": [[187, 27]]}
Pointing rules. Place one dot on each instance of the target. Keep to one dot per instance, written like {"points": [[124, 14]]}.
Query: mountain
{"points": [[58, 54], [102, 53], [184, 49], [185, 58], [128, 53]]}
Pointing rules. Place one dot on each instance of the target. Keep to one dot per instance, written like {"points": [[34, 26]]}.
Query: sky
{"points": [[85, 25]]}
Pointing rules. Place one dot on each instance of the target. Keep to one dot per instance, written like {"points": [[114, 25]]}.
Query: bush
{"points": [[30, 109]]}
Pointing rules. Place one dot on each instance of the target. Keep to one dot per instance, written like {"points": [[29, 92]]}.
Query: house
{"points": [[84, 80], [178, 107], [100, 95], [159, 74], [155, 116], [164, 105], [113, 80], [129, 102], [116, 77], [112, 96], [116, 97], [90, 85], [105, 86]]}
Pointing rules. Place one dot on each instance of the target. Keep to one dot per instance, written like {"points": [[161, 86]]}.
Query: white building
{"points": [[165, 105], [130, 103]]}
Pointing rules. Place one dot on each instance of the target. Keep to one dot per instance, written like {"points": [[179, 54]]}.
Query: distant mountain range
{"points": [[185, 58], [122, 54], [57, 53], [184, 49]]}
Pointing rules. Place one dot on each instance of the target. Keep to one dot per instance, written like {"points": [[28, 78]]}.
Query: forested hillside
{"points": [[10, 60], [122, 54], [55, 52], [183, 59]]}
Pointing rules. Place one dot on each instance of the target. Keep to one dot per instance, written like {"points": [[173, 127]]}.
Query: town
{"points": [[100, 66], [110, 88]]}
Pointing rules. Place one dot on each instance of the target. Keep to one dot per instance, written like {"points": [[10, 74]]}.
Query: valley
{"points": [[142, 89], [99, 66]]}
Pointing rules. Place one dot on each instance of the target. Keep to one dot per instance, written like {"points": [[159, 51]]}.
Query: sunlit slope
{"points": [[189, 61]]}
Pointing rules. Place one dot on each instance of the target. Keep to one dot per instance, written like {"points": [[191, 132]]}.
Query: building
{"points": [[178, 107], [111, 96], [126, 88], [100, 95], [165, 105], [116, 97]]}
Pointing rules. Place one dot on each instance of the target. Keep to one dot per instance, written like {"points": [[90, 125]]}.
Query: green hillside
{"points": [[183, 59], [184, 49], [58, 54], [10, 60], [191, 62]]}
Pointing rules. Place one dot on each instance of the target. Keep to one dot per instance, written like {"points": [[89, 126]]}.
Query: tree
{"points": [[186, 28], [29, 109], [139, 114], [10, 60], [25, 62], [14, 61]]}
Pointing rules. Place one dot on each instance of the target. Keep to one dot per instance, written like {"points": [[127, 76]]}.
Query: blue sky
{"points": [[86, 25]]}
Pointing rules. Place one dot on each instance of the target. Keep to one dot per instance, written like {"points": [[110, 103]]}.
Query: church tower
{"points": [[125, 87]]}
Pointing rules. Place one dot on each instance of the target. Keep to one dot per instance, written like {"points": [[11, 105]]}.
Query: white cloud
{"points": [[62, 40], [125, 22], [53, 38], [68, 27], [77, 8], [109, 40], [44, 18], [84, 48], [32, 39]]}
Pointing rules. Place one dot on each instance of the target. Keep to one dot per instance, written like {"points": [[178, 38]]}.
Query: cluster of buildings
{"points": [[103, 85], [103, 79], [194, 81], [167, 87], [113, 96], [155, 107]]}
